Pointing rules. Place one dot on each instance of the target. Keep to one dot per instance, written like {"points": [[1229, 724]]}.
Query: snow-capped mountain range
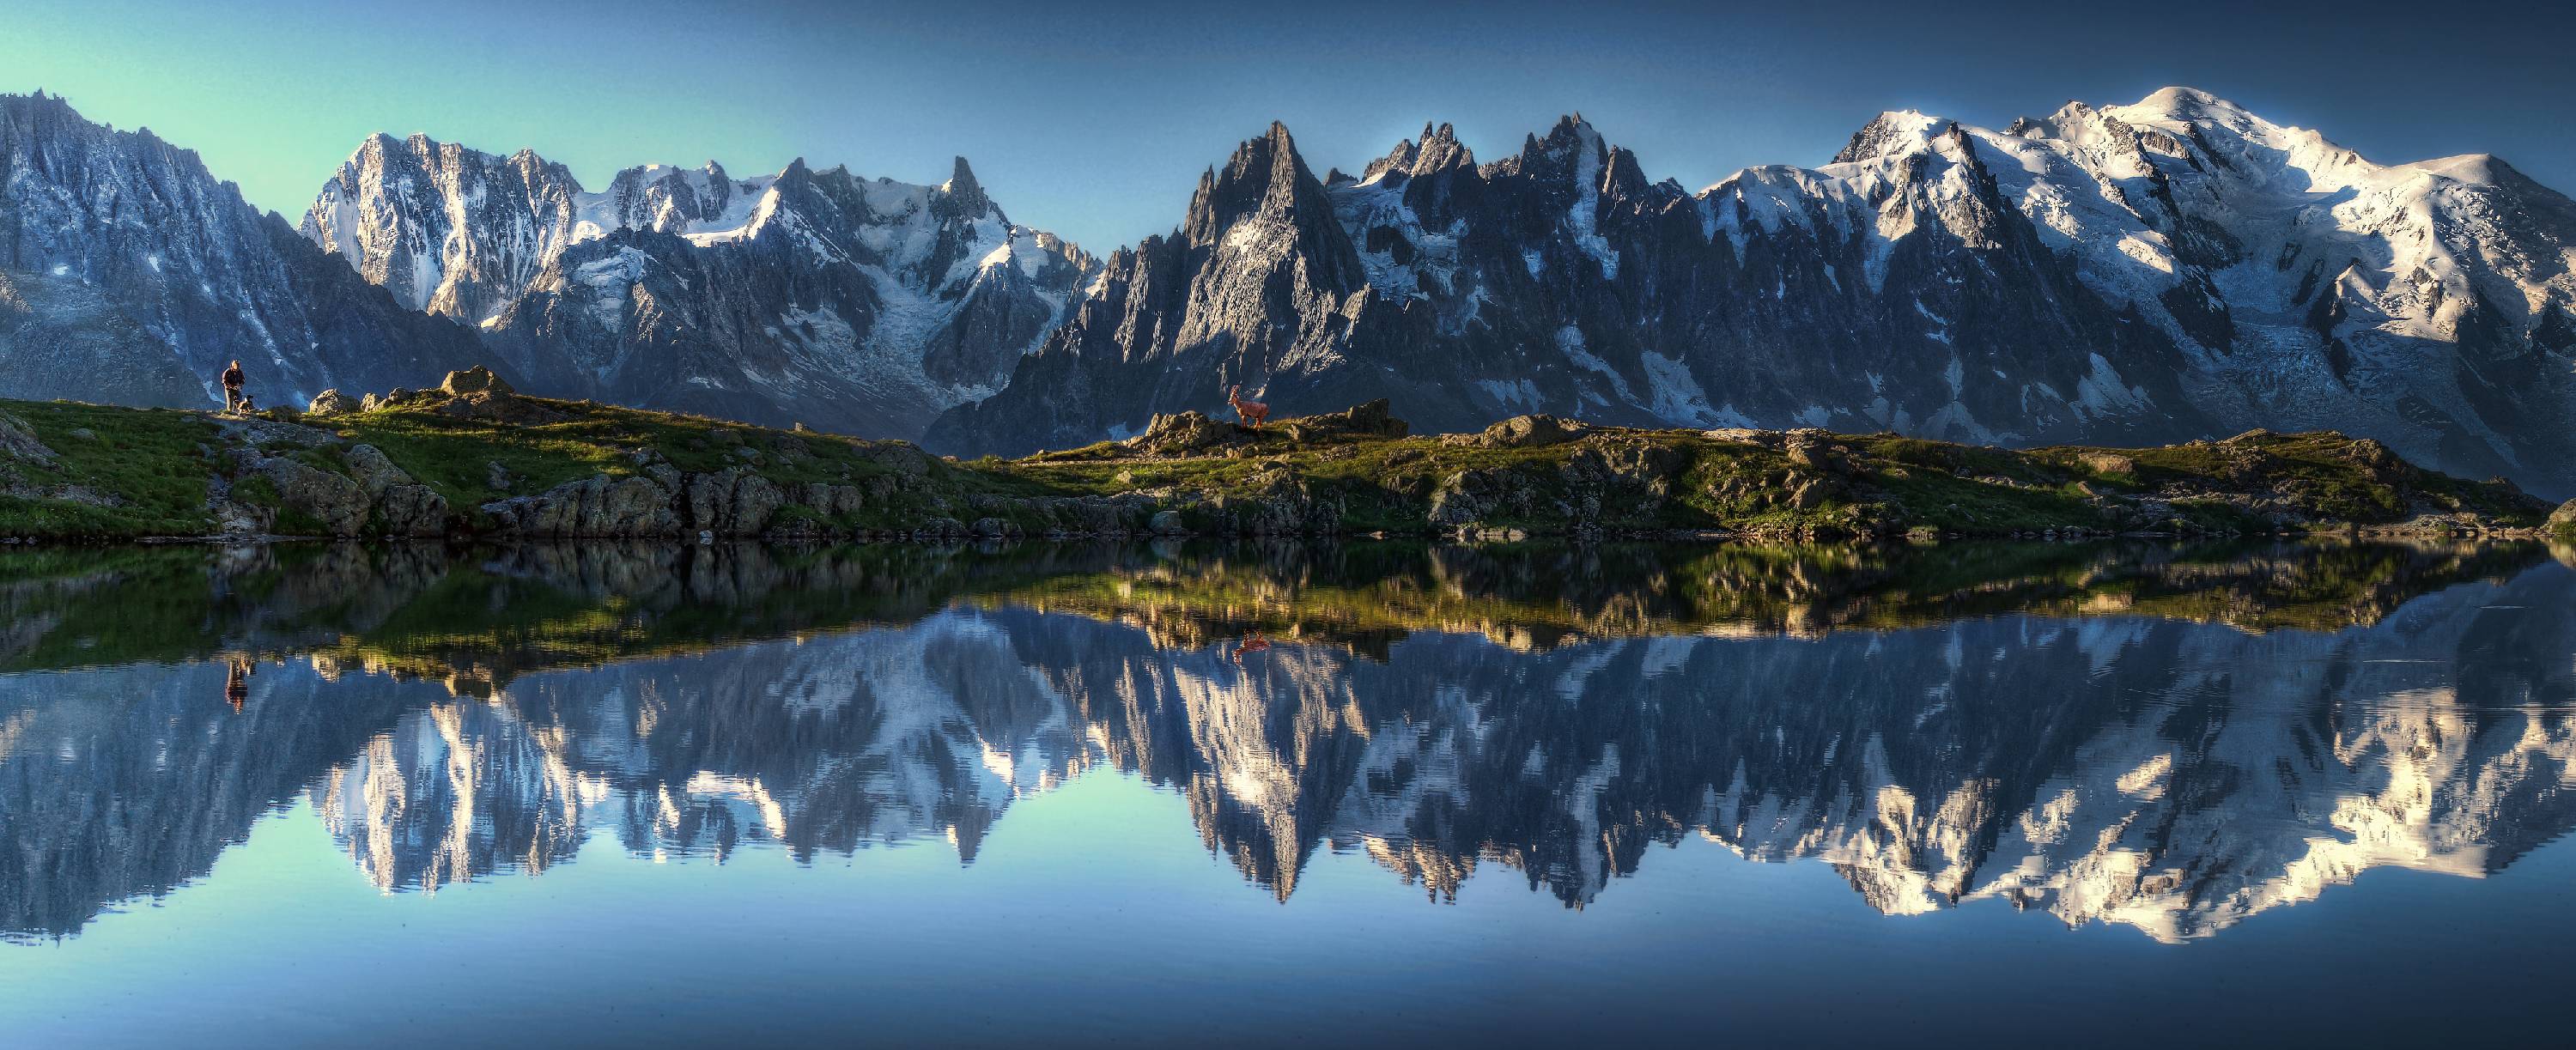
{"points": [[857, 305], [2172, 269], [2167, 270]]}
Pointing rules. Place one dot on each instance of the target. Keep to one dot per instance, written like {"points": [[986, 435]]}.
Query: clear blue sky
{"points": [[1094, 118]]}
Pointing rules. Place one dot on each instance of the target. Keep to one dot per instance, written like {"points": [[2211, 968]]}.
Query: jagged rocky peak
{"points": [[1893, 132], [1441, 150], [1571, 149], [382, 155], [41, 114], [1265, 179], [1438, 150], [674, 199], [1260, 281], [1398, 161], [417, 216], [1267, 218], [1906, 134], [1262, 237], [964, 194], [393, 209], [1574, 156], [44, 141]]}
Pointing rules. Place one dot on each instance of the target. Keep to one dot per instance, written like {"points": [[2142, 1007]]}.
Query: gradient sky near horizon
{"points": [[1095, 119]]}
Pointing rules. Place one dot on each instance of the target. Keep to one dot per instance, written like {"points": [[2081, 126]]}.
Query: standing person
{"points": [[233, 387]]}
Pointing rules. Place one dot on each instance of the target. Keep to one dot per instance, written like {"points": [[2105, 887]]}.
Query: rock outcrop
{"points": [[1374, 419], [469, 393], [596, 507], [19, 443], [399, 504], [334, 500], [732, 501], [1532, 431], [1186, 433], [475, 380], [2108, 463]]}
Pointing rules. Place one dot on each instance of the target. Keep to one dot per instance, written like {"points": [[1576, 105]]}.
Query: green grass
{"points": [[148, 466], [1890, 481], [454, 456]]}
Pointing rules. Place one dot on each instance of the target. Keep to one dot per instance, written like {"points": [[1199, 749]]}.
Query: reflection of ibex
{"points": [[1252, 413], [1254, 644], [237, 672]]}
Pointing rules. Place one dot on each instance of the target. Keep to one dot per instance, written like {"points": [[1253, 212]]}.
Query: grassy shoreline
{"points": [[493, 465]]}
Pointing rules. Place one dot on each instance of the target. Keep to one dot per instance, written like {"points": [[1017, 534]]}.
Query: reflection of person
{"points": [[1254, 644], [237, 681]]}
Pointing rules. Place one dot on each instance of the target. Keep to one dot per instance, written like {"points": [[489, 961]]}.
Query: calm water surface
{"points": [[1956, 795]]}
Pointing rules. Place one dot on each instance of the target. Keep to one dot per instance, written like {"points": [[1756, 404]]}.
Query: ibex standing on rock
{"points": [[1252, 413]]}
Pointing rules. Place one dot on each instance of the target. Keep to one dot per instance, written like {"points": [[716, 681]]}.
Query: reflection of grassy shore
{"points": [[83, 471], [468, 616], [478, 619], [1539, 595]]}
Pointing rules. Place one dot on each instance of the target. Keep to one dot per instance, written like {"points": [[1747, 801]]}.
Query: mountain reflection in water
{"points": [[2172, 739]]}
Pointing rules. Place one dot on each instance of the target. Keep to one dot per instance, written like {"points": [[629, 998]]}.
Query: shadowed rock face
{"points": [[61, 338], [2177, 760], [155, 246]]}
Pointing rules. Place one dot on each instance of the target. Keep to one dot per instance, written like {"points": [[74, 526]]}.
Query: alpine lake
{"points": [[2113, 793]]}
